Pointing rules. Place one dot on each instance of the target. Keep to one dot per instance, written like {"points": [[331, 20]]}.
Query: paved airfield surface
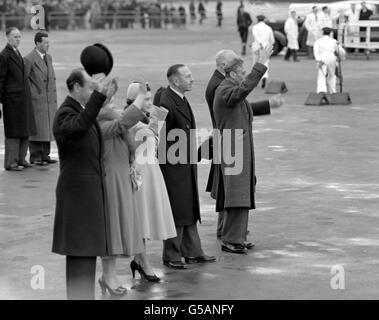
{"points": [[317, 193]]}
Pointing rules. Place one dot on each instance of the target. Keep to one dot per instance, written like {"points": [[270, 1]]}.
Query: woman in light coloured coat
{"points": [[153, 204], [122, 221]]}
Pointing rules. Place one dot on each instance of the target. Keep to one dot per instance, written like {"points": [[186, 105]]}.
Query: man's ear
{"points": [[232, 74]]}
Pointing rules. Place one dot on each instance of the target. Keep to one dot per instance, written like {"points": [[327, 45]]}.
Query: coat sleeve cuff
{"points": [[259, 67]]}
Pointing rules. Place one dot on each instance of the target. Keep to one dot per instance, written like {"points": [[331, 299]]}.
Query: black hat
{"points": [[97, 59], [261, 17], [327, 30]]}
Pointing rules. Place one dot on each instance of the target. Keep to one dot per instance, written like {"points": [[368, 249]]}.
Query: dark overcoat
{"points": [[232, 111], [15, 96], [259, 108], [44, 94], [181, 178], [80, 220]]}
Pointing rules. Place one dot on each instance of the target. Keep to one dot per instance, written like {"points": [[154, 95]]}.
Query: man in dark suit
{"points": [[235, 189], [243, 23], [15, 97], [263, 107], [181, 176], [80, 220], [41, 76]]}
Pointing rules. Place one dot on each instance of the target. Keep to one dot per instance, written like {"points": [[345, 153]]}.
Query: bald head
{"points": [[224, 58]]}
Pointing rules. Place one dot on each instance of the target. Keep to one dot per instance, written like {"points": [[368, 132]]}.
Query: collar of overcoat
{"points": [[219, 75], [77, 107], [40, 63], [181, 105], [13, 55]]}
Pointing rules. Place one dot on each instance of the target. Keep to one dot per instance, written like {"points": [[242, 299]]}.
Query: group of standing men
{"points": [[29, 101], [317, 20]]}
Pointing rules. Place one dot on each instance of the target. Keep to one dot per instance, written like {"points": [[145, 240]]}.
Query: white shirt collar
{"points": [[177, 92], [42, 55]]}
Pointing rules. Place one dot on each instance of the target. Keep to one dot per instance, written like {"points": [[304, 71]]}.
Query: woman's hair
{"points": [[133, 90]]}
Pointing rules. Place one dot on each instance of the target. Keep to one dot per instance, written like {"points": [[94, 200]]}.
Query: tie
{"points": [[19, 56], [45, 59]]}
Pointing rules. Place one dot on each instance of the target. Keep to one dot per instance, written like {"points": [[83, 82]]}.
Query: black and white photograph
{"points": [[203, 152]]}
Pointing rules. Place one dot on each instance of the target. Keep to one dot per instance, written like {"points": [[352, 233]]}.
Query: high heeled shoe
{"points": [[135, 266], [120, 291]]}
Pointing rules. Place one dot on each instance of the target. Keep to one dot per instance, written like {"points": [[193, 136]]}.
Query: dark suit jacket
{"points": [[259, 108], [181, 178], [15, 96], [80, 221]]}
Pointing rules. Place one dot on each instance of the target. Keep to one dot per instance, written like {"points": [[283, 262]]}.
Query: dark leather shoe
{"points": [[202, 259], [175, 264], [49, 160], [26, 164], [39, 163], [234, 248], [14, 168], [248, 245]]}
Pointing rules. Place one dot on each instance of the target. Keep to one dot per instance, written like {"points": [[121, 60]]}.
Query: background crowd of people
{"points": [[101, 14]]}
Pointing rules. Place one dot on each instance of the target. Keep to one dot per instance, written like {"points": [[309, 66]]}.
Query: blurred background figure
{"points": [[364, 14], [243, 23], [202, 12], [291, 29], [219, 13], [262, 36], [352, 20], [325, 20], [312, 26], [192, 11]]}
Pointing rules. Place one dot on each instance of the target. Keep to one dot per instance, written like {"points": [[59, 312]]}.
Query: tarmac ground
{"points": [[316, 226]]}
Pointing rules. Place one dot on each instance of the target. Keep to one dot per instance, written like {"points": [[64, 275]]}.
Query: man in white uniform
{"points": [[312, 26], [326, 50], [291, 29], [353, 29], [325, 21], [263, 36]]}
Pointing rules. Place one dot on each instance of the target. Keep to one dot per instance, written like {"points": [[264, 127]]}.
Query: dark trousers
{"points": [[39, 150], [244, 33], [80, 278], [15, 151], [220, 224], [235, 225], [186, 244], [310, 52], [289, 53]]}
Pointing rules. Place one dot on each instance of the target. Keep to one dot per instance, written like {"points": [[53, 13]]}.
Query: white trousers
{"points": [[326, 78]]}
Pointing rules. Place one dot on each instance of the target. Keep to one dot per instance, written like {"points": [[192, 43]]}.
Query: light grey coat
{"points": [[44, 94]]}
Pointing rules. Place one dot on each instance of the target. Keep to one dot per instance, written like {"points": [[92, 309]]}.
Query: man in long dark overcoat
{"points": [[80, 220], [15, 98], [234, 183], [181, 177], [260, 108], [41, 76]]}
